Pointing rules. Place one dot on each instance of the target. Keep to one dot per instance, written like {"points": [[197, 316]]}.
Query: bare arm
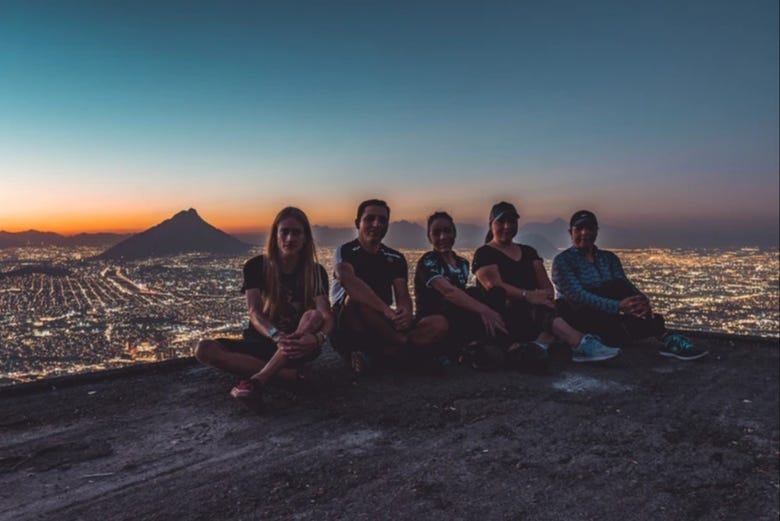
{"points": [[403, 305], [259, 321], [490, 278], [401, 292], [322, 305], [490, 318], [457, 296], [359, 291], [311, 332], [542, 280]]}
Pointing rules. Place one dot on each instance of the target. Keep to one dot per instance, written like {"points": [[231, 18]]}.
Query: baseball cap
{"points": [[502, 209], [583, 218]]}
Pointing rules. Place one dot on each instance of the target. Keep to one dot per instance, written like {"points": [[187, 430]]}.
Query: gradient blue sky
{"points": [[113, 117]]}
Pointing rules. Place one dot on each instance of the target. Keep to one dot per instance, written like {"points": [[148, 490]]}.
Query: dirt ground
{"points": [[639, 438]]}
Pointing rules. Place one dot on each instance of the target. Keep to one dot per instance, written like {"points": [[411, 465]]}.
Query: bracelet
{"points": [[321, 337]]}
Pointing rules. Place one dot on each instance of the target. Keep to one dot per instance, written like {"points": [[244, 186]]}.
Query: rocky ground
{"points": [[639, 438]]}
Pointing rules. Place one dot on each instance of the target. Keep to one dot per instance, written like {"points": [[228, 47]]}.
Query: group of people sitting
{"points": [[510, 318]]}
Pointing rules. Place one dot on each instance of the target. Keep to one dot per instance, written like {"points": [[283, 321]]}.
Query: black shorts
{"points": [[260, 347]]}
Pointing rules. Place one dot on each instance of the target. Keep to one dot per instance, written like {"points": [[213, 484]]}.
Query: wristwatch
{"points": [[272, 332]]}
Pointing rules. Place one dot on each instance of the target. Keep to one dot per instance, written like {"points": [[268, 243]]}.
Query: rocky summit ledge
{"points": [[640, 438]]}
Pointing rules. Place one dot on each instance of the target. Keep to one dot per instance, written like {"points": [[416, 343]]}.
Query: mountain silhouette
{"points": [[37, 238], [556, 231], [407, 236], [327, 236], [401, 234], [32, 238], [540, 243], [184, 232]]}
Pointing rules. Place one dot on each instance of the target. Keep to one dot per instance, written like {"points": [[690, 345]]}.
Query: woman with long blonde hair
{"points": [[289, 314]]}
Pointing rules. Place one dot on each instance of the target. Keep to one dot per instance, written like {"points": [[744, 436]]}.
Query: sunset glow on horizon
{"points": [[115, 117]]}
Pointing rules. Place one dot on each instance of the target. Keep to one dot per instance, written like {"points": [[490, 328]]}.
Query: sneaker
{"points": [[591, 349], [680, 347], [248, 394]]}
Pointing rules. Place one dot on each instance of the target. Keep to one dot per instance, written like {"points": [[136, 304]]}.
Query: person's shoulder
{"points": [[390, 254], [352, 245], [485, 248], [569, 253], [529, 251], [255, 262], [486, 253], [428, 259], [607, 254], [348, 249], [461, 260]]}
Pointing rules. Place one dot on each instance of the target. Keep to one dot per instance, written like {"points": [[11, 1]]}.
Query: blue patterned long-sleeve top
{"points": [[575, 277]]}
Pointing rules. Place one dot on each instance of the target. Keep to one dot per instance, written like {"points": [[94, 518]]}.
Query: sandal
{"points": [[249, 393]]}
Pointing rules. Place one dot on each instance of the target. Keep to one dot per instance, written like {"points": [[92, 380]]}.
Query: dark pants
{"points": [[614, 329], [261, 347], [524, 321], [345, 341]]}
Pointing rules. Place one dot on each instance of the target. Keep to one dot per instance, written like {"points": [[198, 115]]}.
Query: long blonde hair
{"points": [[273, 306]]}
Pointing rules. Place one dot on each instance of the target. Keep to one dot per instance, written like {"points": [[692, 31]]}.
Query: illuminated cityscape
{"points": [[63, 312]]}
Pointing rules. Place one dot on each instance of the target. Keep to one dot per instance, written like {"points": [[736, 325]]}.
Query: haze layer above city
{"points": [[661, 118]]}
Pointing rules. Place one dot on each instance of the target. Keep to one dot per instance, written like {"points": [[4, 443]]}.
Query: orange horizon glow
{"points": [[134, 223], [246, 218]]}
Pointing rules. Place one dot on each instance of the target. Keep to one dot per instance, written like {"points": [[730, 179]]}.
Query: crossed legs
{"points": [[377, 336], [262, 366]]}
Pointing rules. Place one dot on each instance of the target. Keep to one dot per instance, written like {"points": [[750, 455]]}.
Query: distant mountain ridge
{"points": [[185, 232], [406, 235], [38, 238], [547, 237]]}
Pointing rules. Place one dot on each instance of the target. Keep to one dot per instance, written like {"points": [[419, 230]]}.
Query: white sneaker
{"points": [[591, 349]]}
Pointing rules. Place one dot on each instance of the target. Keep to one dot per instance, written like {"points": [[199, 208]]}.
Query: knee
{"points": [[314, 318], [430, 330], [206, 351], [439, 328]]}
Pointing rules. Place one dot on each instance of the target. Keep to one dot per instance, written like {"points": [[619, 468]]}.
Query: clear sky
{"points": [[115, 116]]}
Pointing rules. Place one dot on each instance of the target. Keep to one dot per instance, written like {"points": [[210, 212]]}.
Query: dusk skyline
{"points": [[658, 117]]}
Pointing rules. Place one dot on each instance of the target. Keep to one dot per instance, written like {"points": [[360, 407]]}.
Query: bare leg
{"points": [[274, 365], [562, 330], [310, 322], [545, 338], [211, 352], [429, 330], [361, 318]]}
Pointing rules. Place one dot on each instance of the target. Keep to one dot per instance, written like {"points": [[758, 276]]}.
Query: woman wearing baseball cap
{"points": [[516, 270], [596, 295]]}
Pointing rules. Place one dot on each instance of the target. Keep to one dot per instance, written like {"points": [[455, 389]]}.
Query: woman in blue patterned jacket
{"points": [[597, 297]]}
